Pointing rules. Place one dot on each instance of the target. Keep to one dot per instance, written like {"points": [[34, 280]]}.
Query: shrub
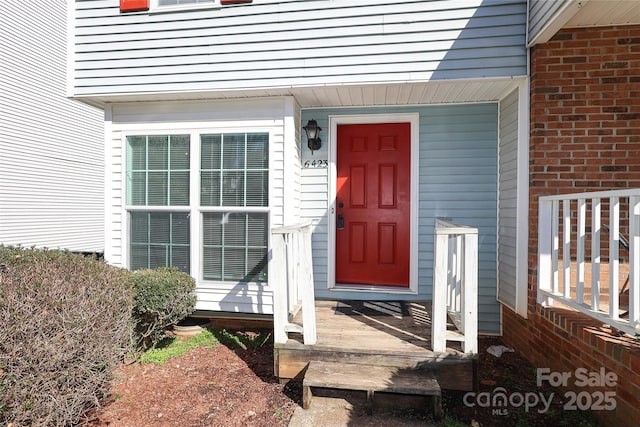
{"points": [[66, 322], [163, 297]]}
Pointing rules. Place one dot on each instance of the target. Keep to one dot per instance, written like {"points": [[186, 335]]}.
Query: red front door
{"points": [[373, 203]]}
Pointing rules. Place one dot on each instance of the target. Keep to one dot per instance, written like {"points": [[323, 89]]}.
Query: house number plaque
{"points": [[310, 164]]}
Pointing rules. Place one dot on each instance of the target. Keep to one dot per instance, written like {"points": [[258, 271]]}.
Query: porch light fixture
{"points": [[313, 135]]}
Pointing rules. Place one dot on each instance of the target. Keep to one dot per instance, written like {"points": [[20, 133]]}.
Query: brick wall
{"points": [[585, 136]]}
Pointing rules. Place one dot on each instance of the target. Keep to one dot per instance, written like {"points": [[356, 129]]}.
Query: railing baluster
{"points": [[595, 253], [581, 237], [555, 229], [614, 257], [458, 247], [291, 290], [451, 273], [566, 248], [634, 262]]}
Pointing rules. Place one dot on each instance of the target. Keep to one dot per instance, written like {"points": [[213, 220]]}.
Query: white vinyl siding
{"points": [[457, 180], [251, 222], [270, 44], [51, 148]]}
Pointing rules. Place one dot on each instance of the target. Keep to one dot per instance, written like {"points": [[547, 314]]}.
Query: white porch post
{"points": [[439, 310], [278, 278], [470, 293], [308, 295], [545, 249]]}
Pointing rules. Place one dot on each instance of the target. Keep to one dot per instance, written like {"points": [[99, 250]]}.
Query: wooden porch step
{"points": [[371, 379]]}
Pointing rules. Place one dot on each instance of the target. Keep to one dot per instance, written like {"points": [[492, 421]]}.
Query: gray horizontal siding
{"points": [[540, 13], [508, 199], [275, 43], [457, 180], [51, 148]]}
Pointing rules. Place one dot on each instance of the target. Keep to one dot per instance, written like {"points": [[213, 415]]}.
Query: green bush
{"points": [[163, 297], [66, 324]]}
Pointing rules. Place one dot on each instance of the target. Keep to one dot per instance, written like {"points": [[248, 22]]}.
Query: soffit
{"points": [[605, 13], [371, 95]]}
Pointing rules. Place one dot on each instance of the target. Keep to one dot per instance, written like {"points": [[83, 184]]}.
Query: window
{"points": [[160, 239], [179, 2], [232, 205], [158, 176], [234, 174], [160, 5]]}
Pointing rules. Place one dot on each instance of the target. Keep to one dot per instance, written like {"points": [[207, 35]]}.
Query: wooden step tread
{"points": [[372, 379], [349, 376]]}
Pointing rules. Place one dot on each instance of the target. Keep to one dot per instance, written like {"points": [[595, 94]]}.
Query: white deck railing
{"points": [[589, 255], [291, 271], [455, 286]]}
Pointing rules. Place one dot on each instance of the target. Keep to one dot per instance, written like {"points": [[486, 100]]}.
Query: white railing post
{"points": [[545, 249], [470, 294], [308, 295], [439, 306], [278, 279]]}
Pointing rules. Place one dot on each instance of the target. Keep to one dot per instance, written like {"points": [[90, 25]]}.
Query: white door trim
{"points": [[334, 121]]}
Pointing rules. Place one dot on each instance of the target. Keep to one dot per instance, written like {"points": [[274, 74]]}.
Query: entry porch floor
{"points": [[377, 333]]}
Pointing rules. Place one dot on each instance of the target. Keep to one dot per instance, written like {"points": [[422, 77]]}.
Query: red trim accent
{"points": [[133, 5], [223, 2]]}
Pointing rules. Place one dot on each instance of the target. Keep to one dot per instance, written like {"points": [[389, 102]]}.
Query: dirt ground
{"points": [[231, 386]]}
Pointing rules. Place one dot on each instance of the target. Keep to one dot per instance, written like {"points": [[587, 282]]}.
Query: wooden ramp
{"points": [[376, 334]]}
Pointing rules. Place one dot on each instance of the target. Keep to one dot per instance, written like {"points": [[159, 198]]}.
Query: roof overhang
{"points": [[383, 94], [589, 13]]}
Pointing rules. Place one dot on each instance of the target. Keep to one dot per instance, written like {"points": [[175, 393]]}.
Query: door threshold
{"points": [[358, 287]]}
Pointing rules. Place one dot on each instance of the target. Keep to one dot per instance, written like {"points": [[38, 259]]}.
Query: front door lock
{"points": [[340, 222]]}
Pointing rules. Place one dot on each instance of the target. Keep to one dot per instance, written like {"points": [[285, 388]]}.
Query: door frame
{"points": [[334, 120]]}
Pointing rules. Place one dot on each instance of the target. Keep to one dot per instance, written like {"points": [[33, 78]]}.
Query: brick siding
{"points": [[585, 136]]}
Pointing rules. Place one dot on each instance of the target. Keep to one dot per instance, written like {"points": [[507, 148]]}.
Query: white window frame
{"points": [[195, 210], [156, 7], [127, 208]]}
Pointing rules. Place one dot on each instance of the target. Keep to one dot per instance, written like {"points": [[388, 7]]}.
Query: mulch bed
{"points": [[231, 386]]}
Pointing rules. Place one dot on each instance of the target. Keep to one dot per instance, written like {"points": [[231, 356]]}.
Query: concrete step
{"points": [[372, 380]]}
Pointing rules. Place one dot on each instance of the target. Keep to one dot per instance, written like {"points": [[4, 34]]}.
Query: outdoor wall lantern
{"points": [[313, 135]]}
